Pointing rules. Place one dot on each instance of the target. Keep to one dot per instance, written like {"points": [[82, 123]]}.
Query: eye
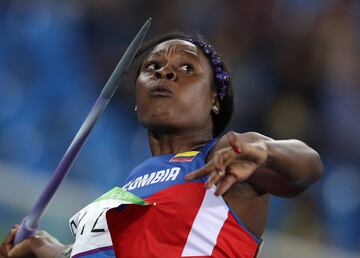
{"points": [[153, 66], [186, 68]]}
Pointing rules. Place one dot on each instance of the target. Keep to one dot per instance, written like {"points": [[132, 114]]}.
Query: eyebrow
{"points": [[187, 52]]}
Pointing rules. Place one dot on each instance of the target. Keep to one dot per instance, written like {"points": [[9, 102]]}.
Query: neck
{"points": [[161, 144]]}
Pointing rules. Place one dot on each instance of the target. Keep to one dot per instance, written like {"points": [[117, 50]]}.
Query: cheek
{"points": [[140, 100], [198, 94], [196, 104], [140, 89]]}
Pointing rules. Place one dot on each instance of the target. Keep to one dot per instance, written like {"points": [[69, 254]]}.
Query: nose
{"points": [[165, 73]]}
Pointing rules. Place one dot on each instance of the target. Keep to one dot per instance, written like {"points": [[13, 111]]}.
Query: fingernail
{"points": [[236, 149]]}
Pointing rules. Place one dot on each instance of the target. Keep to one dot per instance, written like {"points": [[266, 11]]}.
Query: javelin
{"points": [[30, 223]]}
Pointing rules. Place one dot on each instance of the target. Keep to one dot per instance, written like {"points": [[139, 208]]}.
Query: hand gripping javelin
{"points": [[30, 223]]}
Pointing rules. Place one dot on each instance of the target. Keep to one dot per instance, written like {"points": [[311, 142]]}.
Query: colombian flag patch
{"points": [[184, 156]]}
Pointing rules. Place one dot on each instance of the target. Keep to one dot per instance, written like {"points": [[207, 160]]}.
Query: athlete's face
{"points": [[174, 90]]}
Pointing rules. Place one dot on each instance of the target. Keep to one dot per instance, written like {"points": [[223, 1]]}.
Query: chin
{"points": [[158, 117], [160, 126]]}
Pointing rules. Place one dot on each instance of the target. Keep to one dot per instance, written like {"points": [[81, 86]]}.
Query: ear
{"points": [[215, 104], [215, 100]]}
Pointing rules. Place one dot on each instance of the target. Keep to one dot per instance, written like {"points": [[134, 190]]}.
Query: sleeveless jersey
{"points": [[182, 219]]}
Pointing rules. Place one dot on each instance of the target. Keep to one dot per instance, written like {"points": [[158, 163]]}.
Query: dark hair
{"points": [[220, 120]]}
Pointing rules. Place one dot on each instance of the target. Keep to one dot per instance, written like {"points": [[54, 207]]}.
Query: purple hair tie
{"points": [[222, 77]]}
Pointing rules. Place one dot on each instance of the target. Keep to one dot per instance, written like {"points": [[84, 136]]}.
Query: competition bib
{"points": [[89, 225]]}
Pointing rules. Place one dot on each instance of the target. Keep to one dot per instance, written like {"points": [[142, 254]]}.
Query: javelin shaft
{"points": [[30, 223]]}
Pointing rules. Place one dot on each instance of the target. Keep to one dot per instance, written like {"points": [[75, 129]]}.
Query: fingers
{"points": [[221, 159], [215, 177], [40, 245], [242, 171], [255, 151], [42, 237], [232, 164], [237, 172], [7, 244], [233, 141], [225, 184], [44, 245], [200, 172]]}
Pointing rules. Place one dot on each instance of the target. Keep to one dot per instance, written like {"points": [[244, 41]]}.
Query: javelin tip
{"points": [[125, 62]]}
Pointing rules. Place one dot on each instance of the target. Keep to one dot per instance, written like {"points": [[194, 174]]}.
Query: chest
{"points": [[160, 173]]}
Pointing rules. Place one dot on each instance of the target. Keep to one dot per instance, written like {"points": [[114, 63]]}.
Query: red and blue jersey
{"points": [[183, 219]]}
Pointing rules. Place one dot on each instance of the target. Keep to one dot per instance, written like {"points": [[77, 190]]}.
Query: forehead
{"points": [[175, 45]]}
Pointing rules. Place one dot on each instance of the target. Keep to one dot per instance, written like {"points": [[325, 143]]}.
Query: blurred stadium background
{"points": [[296, 71]]}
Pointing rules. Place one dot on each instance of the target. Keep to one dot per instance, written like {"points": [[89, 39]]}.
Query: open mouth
{"points": [[160, 91]]}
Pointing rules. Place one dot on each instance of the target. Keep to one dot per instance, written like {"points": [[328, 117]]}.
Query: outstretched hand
{"points": [[235, 162]]}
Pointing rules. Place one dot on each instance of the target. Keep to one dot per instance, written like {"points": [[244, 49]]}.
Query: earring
{"points": [[215, 109], [135, 108]]}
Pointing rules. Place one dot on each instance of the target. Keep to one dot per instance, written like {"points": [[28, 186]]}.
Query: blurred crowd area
{"points": [[295, 68]]}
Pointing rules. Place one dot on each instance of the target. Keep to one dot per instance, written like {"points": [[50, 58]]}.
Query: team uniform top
{"points": [[183, 219]]}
